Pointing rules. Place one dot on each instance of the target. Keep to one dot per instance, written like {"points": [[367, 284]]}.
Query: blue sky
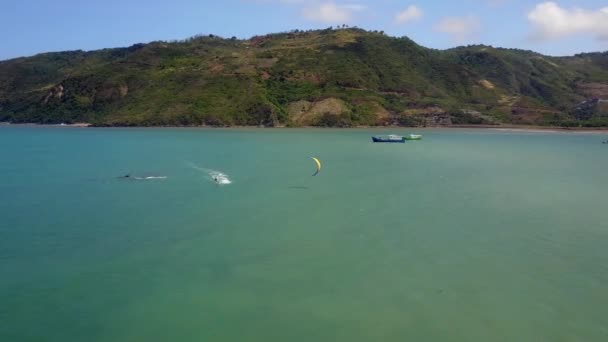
{"points": [[555, 27]]}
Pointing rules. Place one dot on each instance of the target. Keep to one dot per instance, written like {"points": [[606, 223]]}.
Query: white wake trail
{"points": [[213, 175]]}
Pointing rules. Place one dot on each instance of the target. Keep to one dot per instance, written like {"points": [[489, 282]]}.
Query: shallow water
{"points": [[467, 235]]}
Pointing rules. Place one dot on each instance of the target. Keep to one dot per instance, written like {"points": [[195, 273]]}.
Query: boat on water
{"points": [[389, 138], [413, 137]]}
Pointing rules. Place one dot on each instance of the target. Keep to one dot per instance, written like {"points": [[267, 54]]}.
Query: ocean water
{"points": [[467, 235]]}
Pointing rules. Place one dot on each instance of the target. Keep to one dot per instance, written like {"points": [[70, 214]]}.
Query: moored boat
{"points": [[413, 137], [389, 138]]}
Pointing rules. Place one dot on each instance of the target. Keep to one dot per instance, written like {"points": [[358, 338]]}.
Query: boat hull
{"points": [[380, 140]]}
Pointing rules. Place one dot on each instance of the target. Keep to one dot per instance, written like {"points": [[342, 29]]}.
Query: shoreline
{"points": [[80, 124], [505, 127]]}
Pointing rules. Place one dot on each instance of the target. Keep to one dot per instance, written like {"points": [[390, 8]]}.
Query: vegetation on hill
{"points": [[333, 77]]}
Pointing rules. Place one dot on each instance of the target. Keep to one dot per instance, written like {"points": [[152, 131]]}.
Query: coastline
{"points": [[80, 124], [505, 127]]}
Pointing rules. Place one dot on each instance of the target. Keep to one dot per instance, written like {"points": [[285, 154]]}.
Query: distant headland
{"points": [[337, 77]]}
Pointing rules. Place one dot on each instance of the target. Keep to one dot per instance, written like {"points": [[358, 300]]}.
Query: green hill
{"points": [[332, 77]]}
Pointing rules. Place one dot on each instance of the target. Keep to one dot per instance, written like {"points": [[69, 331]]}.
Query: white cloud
{"points": [[411, 13], [551, 21], [354, 7], [460, 28], [332, 13]]}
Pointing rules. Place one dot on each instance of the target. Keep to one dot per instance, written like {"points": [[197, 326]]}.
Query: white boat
{"points": [[413, 137]]}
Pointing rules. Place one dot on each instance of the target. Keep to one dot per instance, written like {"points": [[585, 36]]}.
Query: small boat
{"points": [[389, 138], [413, 137]]}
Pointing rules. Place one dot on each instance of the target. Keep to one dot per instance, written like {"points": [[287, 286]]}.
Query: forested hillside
{"points": [[334, 77]]}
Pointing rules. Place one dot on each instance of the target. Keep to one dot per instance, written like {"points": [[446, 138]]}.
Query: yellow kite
{"points": [[318, 165]]}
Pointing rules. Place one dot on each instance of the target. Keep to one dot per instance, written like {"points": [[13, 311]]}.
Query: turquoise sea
{"points": [[467, 235]]}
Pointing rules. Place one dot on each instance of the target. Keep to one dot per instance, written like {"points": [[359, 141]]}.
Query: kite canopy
{"points": [[318, 165]]}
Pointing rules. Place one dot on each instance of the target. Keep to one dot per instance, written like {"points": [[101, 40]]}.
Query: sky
{"points": [[559, 27]]}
